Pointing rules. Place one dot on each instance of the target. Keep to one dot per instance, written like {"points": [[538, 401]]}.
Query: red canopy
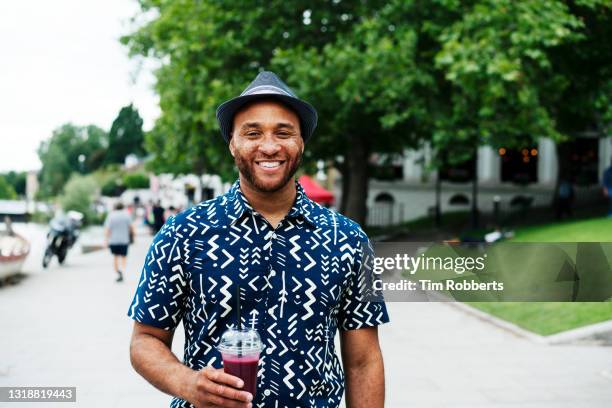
{"points": [[315, 192]]}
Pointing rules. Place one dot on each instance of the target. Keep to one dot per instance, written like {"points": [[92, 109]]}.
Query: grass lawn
{"points": [[590, 230], [549, 318]]}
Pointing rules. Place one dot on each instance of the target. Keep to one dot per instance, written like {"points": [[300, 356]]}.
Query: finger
{"points": [[219, 376], [228, 392], [217, 400]]}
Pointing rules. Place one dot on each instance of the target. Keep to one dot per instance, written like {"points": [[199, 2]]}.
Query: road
{"points": [[67, 326]]}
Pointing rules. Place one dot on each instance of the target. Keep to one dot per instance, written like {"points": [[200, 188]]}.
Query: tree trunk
{"points": [[346, 176], [354, 202], [475, 191], [562, 153], [438, 213]]}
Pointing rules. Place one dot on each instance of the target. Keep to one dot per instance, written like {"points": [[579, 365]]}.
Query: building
{"points": [[506, 176], [181, 191]]}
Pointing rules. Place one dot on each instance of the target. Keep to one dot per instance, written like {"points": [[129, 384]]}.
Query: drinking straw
{"points": [[239, 320]]}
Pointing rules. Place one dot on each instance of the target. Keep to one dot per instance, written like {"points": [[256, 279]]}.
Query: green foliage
{"points": [[214, 49], [112, 188], [125, 136], [7, 192], [388, 74], [17, 180], [78, 195], [60, 155], [504, 83], [136, 180]]}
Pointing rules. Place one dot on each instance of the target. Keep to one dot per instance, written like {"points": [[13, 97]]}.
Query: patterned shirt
{"points": [[299, 284]]}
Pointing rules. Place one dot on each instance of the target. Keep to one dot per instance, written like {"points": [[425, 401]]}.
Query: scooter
{"points": [[63, 233]]}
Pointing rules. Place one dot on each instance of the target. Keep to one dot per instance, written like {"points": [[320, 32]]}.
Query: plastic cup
{"points": [[240, 352]]}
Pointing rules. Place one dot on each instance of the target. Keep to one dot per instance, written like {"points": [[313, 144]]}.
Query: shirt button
{"points": [[273, 235]]}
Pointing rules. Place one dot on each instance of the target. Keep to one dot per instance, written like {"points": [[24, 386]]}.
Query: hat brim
{"points": [[305, 111]]}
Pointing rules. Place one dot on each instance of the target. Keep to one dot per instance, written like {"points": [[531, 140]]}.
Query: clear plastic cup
{"points": [[240, 352]]}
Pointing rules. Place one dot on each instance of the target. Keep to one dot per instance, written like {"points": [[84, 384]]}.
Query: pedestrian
{"points": [[158, 216], [298, 266], [565, 198], [607, 186], [172, 211], [119, 233]]}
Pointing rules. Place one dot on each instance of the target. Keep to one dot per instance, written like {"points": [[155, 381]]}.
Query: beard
{"points": [[246, 168]]}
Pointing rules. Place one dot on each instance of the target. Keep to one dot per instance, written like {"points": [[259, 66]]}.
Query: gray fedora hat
{"points": [[267, 85]]}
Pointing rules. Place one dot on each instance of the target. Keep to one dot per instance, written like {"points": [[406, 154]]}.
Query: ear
{"points": [[231, 147]]}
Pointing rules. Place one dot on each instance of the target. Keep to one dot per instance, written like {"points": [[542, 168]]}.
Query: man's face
{"points": [[267, 145]]}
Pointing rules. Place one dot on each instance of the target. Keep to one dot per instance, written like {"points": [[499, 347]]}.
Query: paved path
{"points": [[67, 327]]}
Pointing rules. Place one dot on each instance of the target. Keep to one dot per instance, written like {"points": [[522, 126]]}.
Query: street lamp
{"points": [[81, 162]]}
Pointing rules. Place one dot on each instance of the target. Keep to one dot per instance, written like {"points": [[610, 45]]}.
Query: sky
{"points": [[61, 61]]}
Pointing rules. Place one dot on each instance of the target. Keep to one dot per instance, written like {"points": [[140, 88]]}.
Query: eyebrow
{"points": [[257, 125]]}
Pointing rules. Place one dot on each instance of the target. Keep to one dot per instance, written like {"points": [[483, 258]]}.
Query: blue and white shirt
{"points": [[299, 285]]}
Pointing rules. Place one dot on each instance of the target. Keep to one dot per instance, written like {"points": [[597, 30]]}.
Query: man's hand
{"points": [[213, 388], [152, 357]]}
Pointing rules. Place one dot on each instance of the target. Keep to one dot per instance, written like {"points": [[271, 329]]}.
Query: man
{"points": [[607, 186], [118, 233], [297, 265]]}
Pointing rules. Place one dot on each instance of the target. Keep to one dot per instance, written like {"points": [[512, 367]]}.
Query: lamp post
{"points": [[82, 163]]}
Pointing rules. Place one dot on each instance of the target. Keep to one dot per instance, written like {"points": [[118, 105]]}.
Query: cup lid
{"points": [[240, 341]]}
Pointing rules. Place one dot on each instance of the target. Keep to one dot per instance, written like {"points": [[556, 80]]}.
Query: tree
{"points": [[17, 180], [6, 190], [519, 71], [213, 49], [125, 136], [60, 155], [383, 75], [78, 195]]}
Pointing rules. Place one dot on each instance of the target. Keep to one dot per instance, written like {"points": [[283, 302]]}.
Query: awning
{"points": [[315, 192]]}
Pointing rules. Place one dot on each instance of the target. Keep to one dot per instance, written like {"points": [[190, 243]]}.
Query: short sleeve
{"points": [[160, 295], [362, 306]]}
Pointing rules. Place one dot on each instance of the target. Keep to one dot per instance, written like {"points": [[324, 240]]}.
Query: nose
{"points": [[269, 146]]}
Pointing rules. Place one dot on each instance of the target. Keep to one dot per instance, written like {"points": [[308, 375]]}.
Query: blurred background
{"points": [[440, 120]]}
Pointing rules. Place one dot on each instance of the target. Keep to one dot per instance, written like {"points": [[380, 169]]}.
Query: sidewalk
{"points": [[438, 356], [67, 326]]}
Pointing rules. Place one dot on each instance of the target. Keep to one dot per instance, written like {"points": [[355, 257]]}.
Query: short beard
{"points": [[245, 171]]}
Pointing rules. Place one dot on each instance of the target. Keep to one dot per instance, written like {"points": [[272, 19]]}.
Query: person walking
{"points": [[159, 217], [119, 233], [607, 186], [298, 266]]}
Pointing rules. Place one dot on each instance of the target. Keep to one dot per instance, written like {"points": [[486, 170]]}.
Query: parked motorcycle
{"points": [[63, 233]]}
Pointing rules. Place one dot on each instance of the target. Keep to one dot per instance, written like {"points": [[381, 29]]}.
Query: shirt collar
{"points": [[237, 205]]}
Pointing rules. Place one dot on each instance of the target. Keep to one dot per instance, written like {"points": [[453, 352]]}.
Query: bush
{"points": [[78, 196], [136, 180], [7, 192], [113, 188]]}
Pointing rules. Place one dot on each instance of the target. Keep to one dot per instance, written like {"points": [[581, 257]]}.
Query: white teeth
{"points": [[269, 165]]}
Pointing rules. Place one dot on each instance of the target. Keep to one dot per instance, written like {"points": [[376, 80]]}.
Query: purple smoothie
{"points": [[245, 368]]}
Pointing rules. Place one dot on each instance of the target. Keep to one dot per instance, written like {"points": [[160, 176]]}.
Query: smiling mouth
{"points": [[269, 164]]}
